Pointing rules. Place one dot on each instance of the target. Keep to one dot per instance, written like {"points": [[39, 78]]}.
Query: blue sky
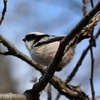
{"points": [[52, 17]]}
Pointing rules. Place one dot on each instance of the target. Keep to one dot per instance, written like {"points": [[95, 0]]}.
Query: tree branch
{"points": [[55, 81], [49, 92], [85, 7], [92, 42], [4, 11], [54, 64], [12, 96]]}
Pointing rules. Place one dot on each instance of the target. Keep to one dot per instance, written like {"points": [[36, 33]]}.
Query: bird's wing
{"points": [[50, 40]]}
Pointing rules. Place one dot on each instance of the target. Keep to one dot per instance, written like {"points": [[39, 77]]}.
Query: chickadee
{"points": [[42, 50]]}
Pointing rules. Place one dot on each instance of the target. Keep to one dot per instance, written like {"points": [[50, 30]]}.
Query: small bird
{"points": [[43, 48]]}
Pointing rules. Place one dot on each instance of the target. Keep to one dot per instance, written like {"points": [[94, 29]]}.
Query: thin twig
{"points": [[85, 7], [5, 53], [92, 4], [12, 96], [97, 97], [92, 71], [49, 92], [92, 42], [4, 11], [58, 96]]}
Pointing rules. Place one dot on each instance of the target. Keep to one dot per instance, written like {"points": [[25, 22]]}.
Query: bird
{"points": [[43, 47]]}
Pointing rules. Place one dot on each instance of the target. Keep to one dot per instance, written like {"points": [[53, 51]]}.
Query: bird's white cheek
{"points": [[28, 45]]}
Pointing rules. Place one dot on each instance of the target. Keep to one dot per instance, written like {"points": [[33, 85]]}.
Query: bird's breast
{"points": [[45, 53]]}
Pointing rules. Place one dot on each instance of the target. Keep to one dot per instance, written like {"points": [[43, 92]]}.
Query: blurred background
{"points": [[53, 17]]}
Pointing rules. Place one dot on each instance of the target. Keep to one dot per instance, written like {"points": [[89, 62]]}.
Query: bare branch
{"points": [[92, 71], [92, 42], [92, 3], [12, 96], [72, 92], [55, 81], [4, 11], [85, 7], [49, 92], [58, 96], [5, 53], [98, 96]]}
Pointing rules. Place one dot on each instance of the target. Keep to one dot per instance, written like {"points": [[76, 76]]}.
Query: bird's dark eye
{"points": [[29, 37]]}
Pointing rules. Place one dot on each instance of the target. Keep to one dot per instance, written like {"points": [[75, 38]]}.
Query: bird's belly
{"points": [[44, 54]]}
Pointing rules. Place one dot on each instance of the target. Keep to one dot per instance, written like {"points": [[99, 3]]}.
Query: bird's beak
{"points": [[24, 40]]}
